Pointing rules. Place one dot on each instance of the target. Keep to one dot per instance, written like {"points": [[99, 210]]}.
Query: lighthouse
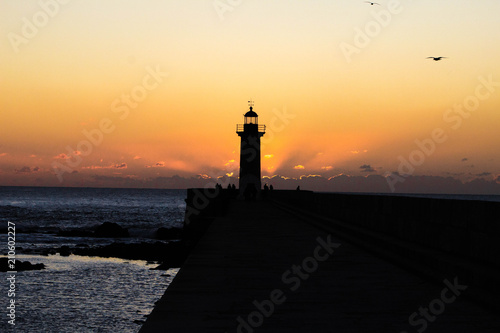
{"points": [[250, 132]]}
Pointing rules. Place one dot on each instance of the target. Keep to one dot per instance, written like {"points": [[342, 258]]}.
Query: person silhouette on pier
{"points": [[266, 190]]}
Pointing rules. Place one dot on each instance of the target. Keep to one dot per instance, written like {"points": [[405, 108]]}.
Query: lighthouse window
{"points": [[251, 120]]}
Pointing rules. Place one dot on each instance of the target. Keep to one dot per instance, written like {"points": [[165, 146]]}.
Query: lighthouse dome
{"points": [[251, 113], [251, 117]]}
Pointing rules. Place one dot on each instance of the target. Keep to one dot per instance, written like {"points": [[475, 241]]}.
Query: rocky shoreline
{"points": [[168, 248], [19, 265], [169, 255]]}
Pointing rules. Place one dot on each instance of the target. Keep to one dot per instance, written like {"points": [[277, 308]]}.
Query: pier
{"points": [[298, 261]]}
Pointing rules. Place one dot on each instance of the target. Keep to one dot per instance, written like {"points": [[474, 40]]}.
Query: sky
{"points": [[100, 93]]}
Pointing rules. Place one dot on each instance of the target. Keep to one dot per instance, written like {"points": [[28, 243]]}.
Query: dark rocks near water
{"points": [[64, 251], [19, 266], [114, 230], [168, 233], [170, 254], [110, 229], [47, 252]]}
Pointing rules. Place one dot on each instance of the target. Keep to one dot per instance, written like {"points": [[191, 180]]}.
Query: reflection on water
{"points": [[86, 294]]}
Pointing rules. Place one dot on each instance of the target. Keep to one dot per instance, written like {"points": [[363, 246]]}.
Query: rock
{"points": [[168, 233], [47, 252], [64, 251], [19, 265], [110, 229], [172, 254]]}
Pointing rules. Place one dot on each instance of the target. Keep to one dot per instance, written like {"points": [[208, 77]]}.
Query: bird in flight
{"points": [[372, 3], [436, 58]]}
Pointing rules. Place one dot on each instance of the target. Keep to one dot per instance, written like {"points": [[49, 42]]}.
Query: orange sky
{"points": [[343, 87]]}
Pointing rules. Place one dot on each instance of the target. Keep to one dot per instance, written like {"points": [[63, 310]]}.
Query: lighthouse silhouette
{"points": [[250, 132]]}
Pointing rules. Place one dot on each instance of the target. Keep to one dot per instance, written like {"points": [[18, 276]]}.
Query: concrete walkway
{"points": [[259, 269]]}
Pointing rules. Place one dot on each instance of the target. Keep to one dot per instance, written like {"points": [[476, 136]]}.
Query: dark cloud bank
{"points": [[341, 183]]}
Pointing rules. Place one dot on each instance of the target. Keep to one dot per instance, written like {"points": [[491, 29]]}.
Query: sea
{"points": [[80, 293]]}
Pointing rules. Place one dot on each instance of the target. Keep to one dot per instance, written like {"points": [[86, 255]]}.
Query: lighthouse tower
{"points": [[250, 132]]}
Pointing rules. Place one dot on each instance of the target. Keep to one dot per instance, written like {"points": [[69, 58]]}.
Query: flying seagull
{"points": [[436, 58], [372, 3]]}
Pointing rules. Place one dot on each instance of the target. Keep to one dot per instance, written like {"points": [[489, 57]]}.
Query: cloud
{"points": [[483, 174], [465, 159], [367, 168], [27, 169], [24, 169], [327, 168], [455, 174], [3, 154], [120, 166], [299, 167], [160, 164], [368, 183], [61, 156], [311, 177], [137, 157], [112, 166]]}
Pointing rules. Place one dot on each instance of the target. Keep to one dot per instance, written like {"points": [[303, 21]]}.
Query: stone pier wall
{"points": [[461, 227]]}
